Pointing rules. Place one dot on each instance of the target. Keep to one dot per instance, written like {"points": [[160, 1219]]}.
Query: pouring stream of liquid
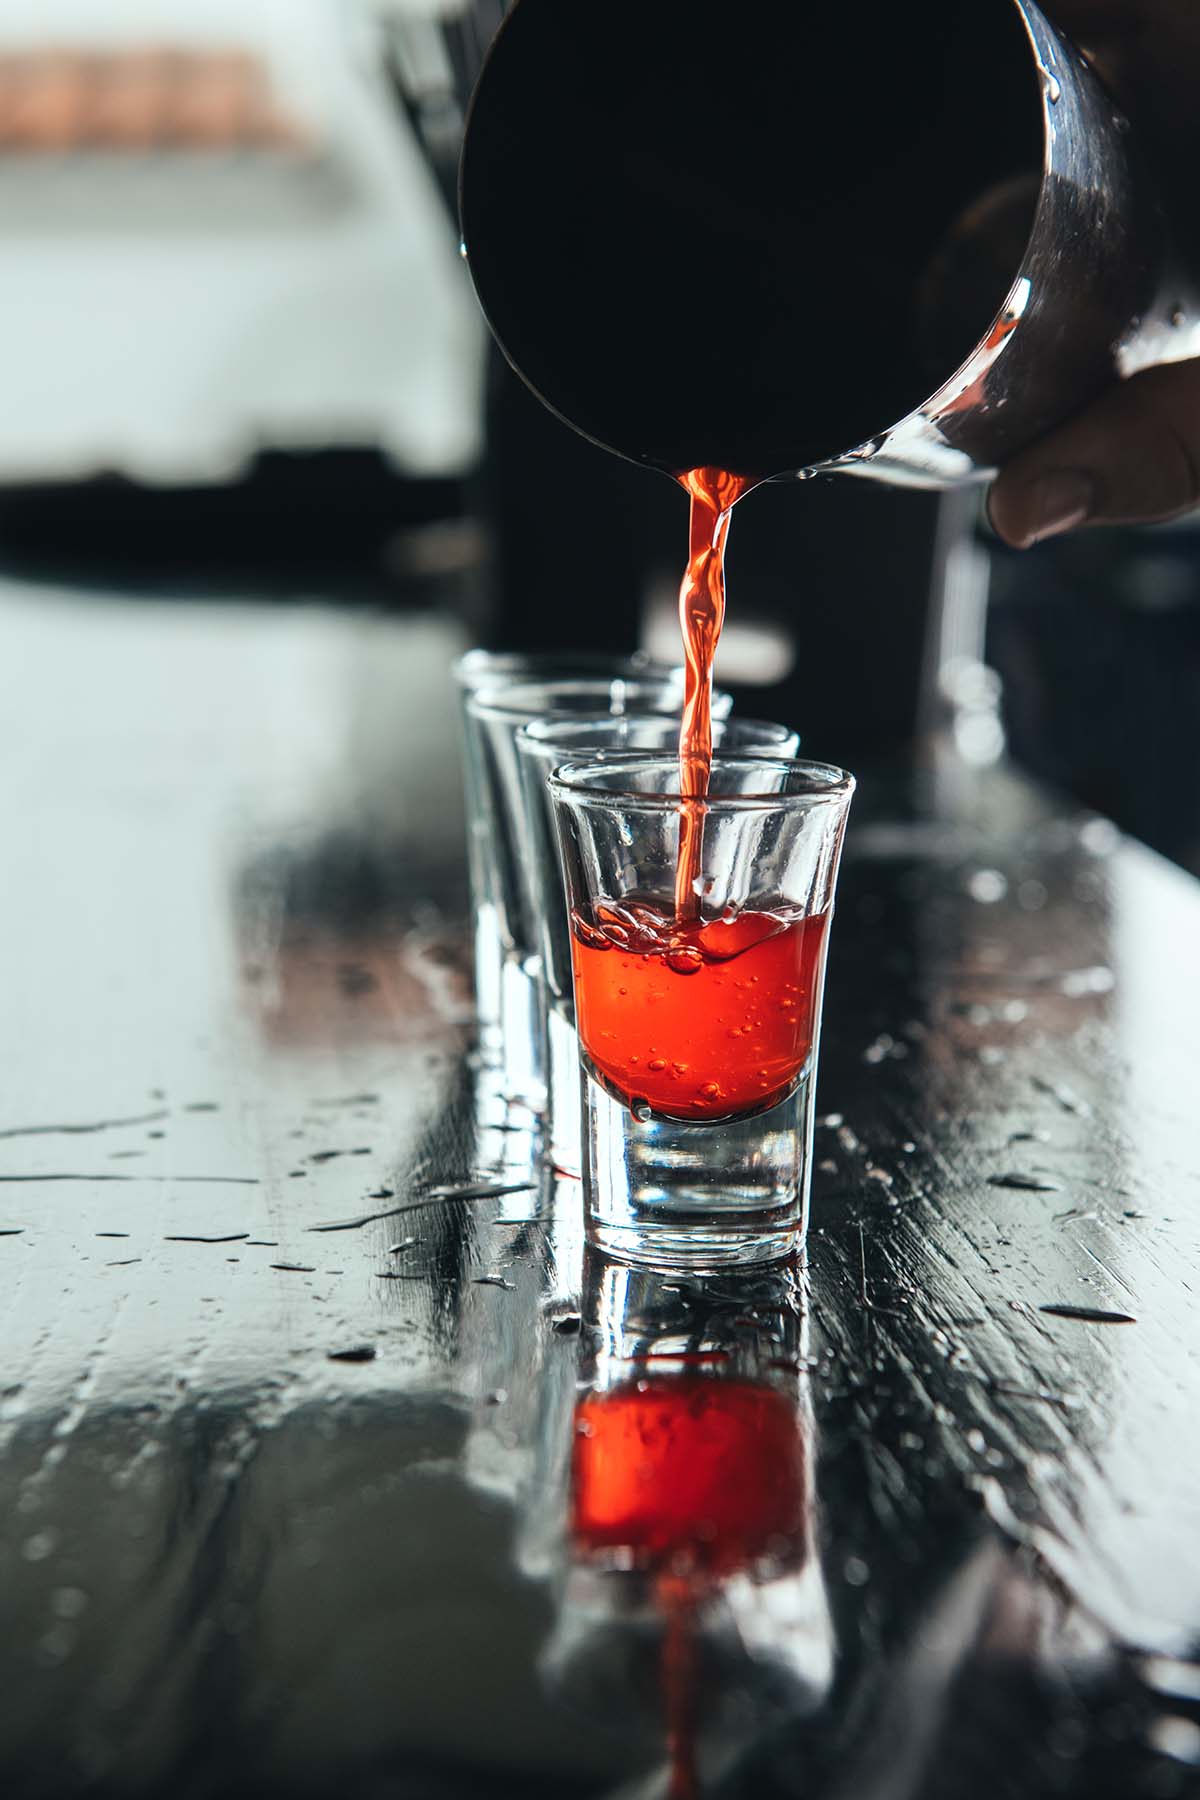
{"points": [[701, 615]]}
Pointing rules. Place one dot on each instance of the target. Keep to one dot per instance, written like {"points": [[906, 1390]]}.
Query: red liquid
{"points": [[692, 1473], [700, 1020], [701, 615]]}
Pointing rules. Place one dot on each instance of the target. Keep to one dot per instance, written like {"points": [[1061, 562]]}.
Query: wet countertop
{"points": [[301, 1342]]}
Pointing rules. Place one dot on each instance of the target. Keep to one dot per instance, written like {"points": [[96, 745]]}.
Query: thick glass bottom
{"points": [[675, 1194]]}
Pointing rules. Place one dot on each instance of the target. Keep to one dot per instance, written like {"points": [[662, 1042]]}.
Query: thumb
{"points": [[1131, 458]]}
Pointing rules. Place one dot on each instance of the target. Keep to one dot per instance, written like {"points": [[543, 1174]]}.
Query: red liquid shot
{"points": [[701, 616], [699, 1020]]}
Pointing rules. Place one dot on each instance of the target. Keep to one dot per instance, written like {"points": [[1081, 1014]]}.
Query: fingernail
{"points": [[1056, 503]]}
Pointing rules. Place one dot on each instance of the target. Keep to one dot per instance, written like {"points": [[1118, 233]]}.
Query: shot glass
{"points": [[541, 746], [504, 895], [698, 1003], [490, 669]]}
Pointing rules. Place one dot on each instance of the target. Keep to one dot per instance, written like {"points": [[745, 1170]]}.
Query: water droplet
{"points": [[987, 886], [1078, 983], [856, 1571], [55, 1646], [68, 1602], [1178, 317], [1099, 837], [41, 1545], [641, 1109], [1053, 87]]}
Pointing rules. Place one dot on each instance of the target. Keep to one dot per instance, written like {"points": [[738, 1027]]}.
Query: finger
{"points": [[1133, 458]]}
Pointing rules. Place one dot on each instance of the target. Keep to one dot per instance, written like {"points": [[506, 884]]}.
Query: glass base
{"points": [[674, 1194]]}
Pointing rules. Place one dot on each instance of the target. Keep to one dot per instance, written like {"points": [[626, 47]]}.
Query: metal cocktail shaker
{"points": [[754, 237]]}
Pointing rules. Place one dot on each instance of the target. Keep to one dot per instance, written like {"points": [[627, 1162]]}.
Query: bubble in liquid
{"points": [[684, 962], [657, 1066], [641, 1109]]}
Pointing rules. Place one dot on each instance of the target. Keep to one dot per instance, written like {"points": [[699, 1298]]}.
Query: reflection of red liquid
{"points": [[701, 615], [699, 1478], [693, 1472], [702, 1021]]}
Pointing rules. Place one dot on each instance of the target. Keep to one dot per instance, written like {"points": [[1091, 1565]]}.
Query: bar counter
{"points": [[295, 1321]]}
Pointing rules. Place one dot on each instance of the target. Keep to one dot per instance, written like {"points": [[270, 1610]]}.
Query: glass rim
{"points": [[509, 700], [538, 734], [508, 668], [578, 781]]}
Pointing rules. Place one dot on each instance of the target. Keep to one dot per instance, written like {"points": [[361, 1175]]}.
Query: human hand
{"points": [[1133, 456]]}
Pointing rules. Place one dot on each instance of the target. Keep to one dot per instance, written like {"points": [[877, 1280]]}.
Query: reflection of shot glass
{"points": [[502, 894], [698, 1017], [541, 746], [688, 1516]]}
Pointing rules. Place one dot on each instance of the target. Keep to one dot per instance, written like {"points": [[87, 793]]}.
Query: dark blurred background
{"points": [[242, 361]]}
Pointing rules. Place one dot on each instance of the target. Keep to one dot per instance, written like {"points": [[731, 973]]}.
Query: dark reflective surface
{"points": [[291, 1510]]}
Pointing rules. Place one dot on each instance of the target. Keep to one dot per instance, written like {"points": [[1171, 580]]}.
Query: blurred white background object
{"points": [[266, 265]]}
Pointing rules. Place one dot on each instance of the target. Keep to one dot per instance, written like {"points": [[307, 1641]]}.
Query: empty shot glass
{"points": [[492, 669], [541, 746], [698, 1003], [506, 898]]}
